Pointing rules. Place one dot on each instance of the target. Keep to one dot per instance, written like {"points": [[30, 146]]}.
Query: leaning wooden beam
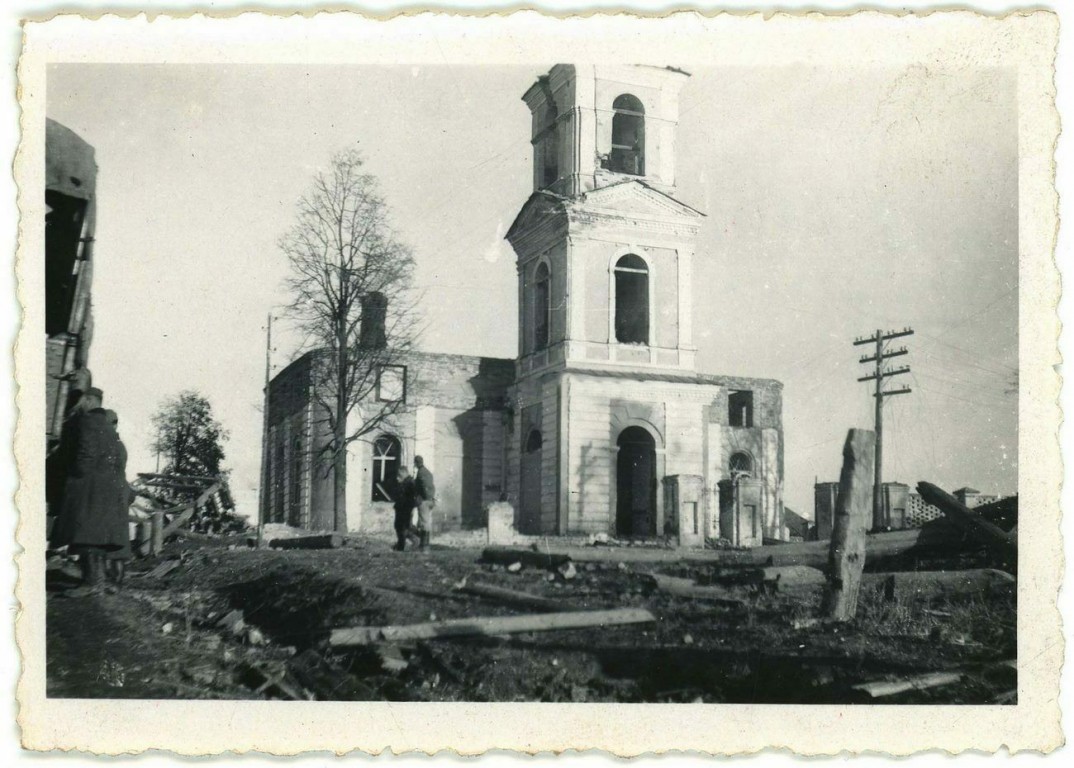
{"points": [[495, 625], [966, 519], [881, 688], [188, 510], [512, 597], [325, 541], [846, 558]]}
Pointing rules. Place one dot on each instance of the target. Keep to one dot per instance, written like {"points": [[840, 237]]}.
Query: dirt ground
{"points": [[252, 624]]}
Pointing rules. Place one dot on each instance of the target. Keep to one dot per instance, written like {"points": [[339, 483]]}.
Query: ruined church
{"points": [[602, 424]]}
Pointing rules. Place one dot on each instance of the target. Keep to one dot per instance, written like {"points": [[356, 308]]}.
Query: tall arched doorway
{"points": [[529, 502], [635, 513]]}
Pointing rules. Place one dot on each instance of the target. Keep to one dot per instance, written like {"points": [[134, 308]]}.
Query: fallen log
{"points": [[930, 539], [325, 541], [678, 587], [910, 585], [880, 688], [793, 580], [495, 625], [512, 597], [846, 556], [527, 557]]}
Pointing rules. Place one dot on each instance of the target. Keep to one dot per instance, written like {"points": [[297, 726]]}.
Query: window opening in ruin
{"points": [[534, 441], [741, 463], [387, 453], [391, 383], [64, 223], [631, 300], [740, 408], [279, 487], [542, 307], [550, 152], [628, 136]]}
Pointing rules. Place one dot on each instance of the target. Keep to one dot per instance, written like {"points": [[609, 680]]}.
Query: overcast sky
{"points": [[839, 201]]}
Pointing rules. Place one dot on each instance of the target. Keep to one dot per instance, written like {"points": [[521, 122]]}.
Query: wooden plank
{"points": [[496, 625], [528, 557], [846, 557], [512, 597], [911, 585], [880, 688]]}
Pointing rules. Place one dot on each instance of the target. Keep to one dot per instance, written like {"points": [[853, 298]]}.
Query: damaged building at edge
{"points": [[602, 423]]}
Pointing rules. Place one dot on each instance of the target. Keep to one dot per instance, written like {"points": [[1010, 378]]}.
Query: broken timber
{"points": [[901, 585], [846, 558], [326, 541], [512, 597], [528, 557], [496, 625]]}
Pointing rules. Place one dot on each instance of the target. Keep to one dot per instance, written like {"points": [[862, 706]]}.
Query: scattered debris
{"points": [[687, 588], [567, 571], [514, 568], [234, 622]]}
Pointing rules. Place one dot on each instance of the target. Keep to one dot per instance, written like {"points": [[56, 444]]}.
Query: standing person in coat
{"points": [[405, 500], [426, 496], [87, 520], [116, 560]]}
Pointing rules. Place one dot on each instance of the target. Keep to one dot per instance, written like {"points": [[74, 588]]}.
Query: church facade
{"points": [[602, 423]]}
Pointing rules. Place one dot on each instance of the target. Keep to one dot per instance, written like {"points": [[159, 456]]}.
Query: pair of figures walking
{"points": [[94, 508], [413, 491]]}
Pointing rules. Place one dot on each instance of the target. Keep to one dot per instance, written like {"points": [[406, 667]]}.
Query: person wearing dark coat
{"points": [[116, 559], [87, 523], [426, 496], [405, 501]]}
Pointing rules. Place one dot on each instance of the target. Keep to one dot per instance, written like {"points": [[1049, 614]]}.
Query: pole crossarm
{"points": [[883, 336], [885, 374], [890, 392], [886, 355]]}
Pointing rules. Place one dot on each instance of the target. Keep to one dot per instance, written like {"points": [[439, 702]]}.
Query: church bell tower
{"points": [[605, 250]]}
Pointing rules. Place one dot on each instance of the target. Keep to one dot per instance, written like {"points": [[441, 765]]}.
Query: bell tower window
{"points": [[628, 136], [632, 300], [542, 306]]}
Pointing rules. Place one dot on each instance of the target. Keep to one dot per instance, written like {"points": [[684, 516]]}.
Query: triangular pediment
{"points": [[539, 209], [635, 198]]}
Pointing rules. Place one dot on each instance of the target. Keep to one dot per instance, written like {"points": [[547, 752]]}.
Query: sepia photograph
{"points": [[600, 380]]}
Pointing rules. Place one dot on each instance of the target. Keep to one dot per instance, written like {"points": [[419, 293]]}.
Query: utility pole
{"points": [[882, 354], [262, 496]]}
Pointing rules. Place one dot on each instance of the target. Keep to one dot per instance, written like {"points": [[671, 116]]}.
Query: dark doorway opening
{"points": [[530, 488], [635, 513]]}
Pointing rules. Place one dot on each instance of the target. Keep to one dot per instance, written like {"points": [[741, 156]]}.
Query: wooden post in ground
{"points": [[846, 555]]}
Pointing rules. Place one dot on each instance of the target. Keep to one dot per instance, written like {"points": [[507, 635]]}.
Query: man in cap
{"points": [[87, 520], [425, 491]]}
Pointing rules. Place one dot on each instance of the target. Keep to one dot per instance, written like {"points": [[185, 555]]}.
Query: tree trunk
{"points": [[846, 558], [339, 472]]}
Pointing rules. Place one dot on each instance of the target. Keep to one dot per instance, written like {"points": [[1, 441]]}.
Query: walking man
{"points": [[426, 495], [87, 520]]}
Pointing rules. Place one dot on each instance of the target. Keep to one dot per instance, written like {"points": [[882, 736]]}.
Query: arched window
{"points": [[542, 306], [534, 441], [387, 453], [628, 136], [632, 300], [741, 463]]}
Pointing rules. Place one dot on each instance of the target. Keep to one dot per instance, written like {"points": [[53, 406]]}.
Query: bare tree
{"points": [[350, 287]]}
